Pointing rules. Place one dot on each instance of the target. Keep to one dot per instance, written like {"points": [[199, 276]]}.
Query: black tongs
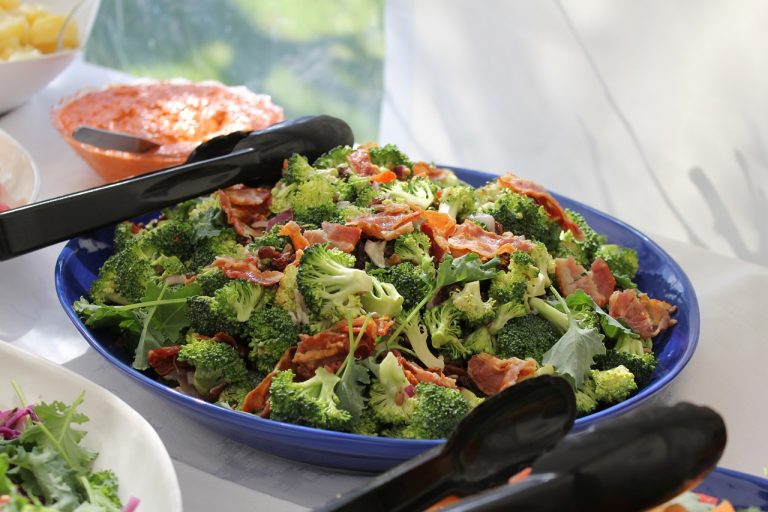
{"points": [[254, 158], [629, 463]]}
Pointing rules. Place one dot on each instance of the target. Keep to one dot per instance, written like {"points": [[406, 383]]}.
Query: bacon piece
{"points": [[646, 316], [598, 282], [344, 238], [281, 218], [247, 269], [258, 398], [163, 359], [277, 260], [438, 227], [293, 231], [329, 348], [543, 198], [415, 374], [424, 170], [387, 224], [245, 207], [360, 162], [492, 375], [469, 237], [315, 236]]}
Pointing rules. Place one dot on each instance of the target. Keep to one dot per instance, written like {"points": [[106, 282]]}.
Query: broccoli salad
{"points": [[370, 294], [45, 468]]}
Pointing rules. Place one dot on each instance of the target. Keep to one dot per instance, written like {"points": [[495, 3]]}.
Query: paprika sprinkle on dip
{"points": [[177, 115]]}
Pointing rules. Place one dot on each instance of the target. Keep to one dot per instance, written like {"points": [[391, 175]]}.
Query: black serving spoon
{"points": [[499, 437], [630, 463], [242, 157]]}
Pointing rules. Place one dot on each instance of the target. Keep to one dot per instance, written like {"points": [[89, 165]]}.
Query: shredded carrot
{"points": [[384, 176], [293, 231], [448, 500]]}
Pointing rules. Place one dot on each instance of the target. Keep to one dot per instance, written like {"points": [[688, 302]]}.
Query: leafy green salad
{"points": [[45, 468], [367, 293]]}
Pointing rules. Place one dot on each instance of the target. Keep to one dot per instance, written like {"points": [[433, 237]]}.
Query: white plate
{"points": [[19, 177], [126, 443]]}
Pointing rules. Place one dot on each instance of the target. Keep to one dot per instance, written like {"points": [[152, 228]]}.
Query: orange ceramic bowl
{"points": [[178, 115]]}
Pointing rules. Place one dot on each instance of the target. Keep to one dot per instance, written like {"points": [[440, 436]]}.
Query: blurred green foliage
{"points": [[312, 57]]}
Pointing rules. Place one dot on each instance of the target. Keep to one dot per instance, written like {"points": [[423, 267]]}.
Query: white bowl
{"points": [[21, 79], [19, 177], [126, 443]]}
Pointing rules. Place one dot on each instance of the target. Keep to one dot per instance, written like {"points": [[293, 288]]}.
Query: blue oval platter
{"points": [[741, 489], [660, 276]]}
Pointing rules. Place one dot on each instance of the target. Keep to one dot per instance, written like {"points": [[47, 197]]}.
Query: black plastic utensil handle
{"points": [[255, 159]]}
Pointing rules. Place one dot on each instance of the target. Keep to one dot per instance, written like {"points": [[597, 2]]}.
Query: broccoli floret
{"points": [[523, 216], [271, 238], [383, 299], [271, 332], [366, 424], [419, 192], [388, 156], [389, 401], [437, 412], [312, 403], [215, 364], [281, 196], [641, 366], [357, 190], [583, 251], [586, 400], [629, 344], [622, 261], [412, 282], [329, 285], [505, 313], [211, 279], [296, 169], [526, 336], [470, 303], [457, 201], [313, 202], [224, 243], [104, 288], [125, 232], [416, 333], [233, 395], [172, 237], [480, 340], [240, 298], [444, 326], [414, 247], [206, 316], [333, 158], [614, 385], [288, 296]]}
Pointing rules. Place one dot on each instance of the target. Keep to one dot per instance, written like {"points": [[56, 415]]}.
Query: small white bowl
{"points": [[127, 444], [21, 79], [19, 177]]}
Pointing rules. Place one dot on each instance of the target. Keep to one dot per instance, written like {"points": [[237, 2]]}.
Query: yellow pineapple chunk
{"points": [[45, 31]]}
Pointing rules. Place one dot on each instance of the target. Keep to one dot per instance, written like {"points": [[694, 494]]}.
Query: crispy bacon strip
{"points": [[258, 398], [492, 375], [387, 224], [245, 207], [415, 374], [247, 269], [647, 317], [438, 227], [293, 231], [424, 170], [545, 199], [329, 348], [278, 260], [469, 237], [163, 359], [598, 282], [344, 238], [360, 162]]}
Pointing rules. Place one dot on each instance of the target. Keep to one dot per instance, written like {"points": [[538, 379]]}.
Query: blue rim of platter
{"points": [[741, 489], [356, 452]]}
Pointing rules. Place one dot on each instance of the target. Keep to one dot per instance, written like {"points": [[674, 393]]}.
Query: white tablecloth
{"points": [[727, 371]]}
